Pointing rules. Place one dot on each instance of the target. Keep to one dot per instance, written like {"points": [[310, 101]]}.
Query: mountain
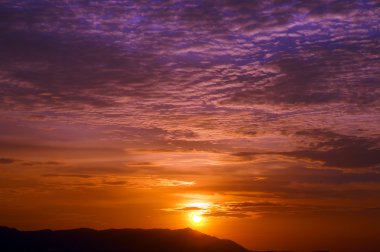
{"points": [[113, 240]]}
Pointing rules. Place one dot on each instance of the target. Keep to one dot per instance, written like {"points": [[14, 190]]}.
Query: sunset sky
{"points": [[256, 121]]}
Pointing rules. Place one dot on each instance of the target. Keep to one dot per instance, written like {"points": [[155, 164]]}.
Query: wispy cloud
{"points": [[7, 160]]}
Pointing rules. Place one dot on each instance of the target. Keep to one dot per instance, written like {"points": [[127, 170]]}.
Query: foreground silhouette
{"points": [[113, 240]]}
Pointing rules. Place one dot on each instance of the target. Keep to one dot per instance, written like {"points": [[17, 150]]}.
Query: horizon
{"points": [[254, 121], [127, 236]]}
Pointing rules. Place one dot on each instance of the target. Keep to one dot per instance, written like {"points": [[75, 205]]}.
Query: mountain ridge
{"points": [[113, 240]]}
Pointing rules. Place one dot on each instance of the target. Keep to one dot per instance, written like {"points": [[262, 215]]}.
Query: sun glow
{"points": [[197, 210], [196, 218], [200, 205]]}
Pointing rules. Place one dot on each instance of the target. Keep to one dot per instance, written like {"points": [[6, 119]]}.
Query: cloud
{"points": [[37, 117], [246, 209], [32, 163], [340, 151], [174, 182], [115, 183], [67, 175], [7, 161], [313, 80], [221, 97], [217, 71], [189, 209], [331, 149]]}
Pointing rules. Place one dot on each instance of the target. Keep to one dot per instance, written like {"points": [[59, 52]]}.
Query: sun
{"points": [[196, 218]]}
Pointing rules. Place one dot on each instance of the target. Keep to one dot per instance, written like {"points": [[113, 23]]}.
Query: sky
{"points": [[256, 121]]}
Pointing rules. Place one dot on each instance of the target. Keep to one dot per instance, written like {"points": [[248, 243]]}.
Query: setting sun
{"points": [[196, 218]]}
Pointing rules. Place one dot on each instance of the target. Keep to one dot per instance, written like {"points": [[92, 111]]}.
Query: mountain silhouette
{"points": [[113, 240]]}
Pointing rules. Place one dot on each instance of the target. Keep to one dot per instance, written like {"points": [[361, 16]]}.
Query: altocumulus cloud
{"points": [[293, 84]]}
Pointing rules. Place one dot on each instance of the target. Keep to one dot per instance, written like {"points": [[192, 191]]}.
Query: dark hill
{"points": [[113, 240]]}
